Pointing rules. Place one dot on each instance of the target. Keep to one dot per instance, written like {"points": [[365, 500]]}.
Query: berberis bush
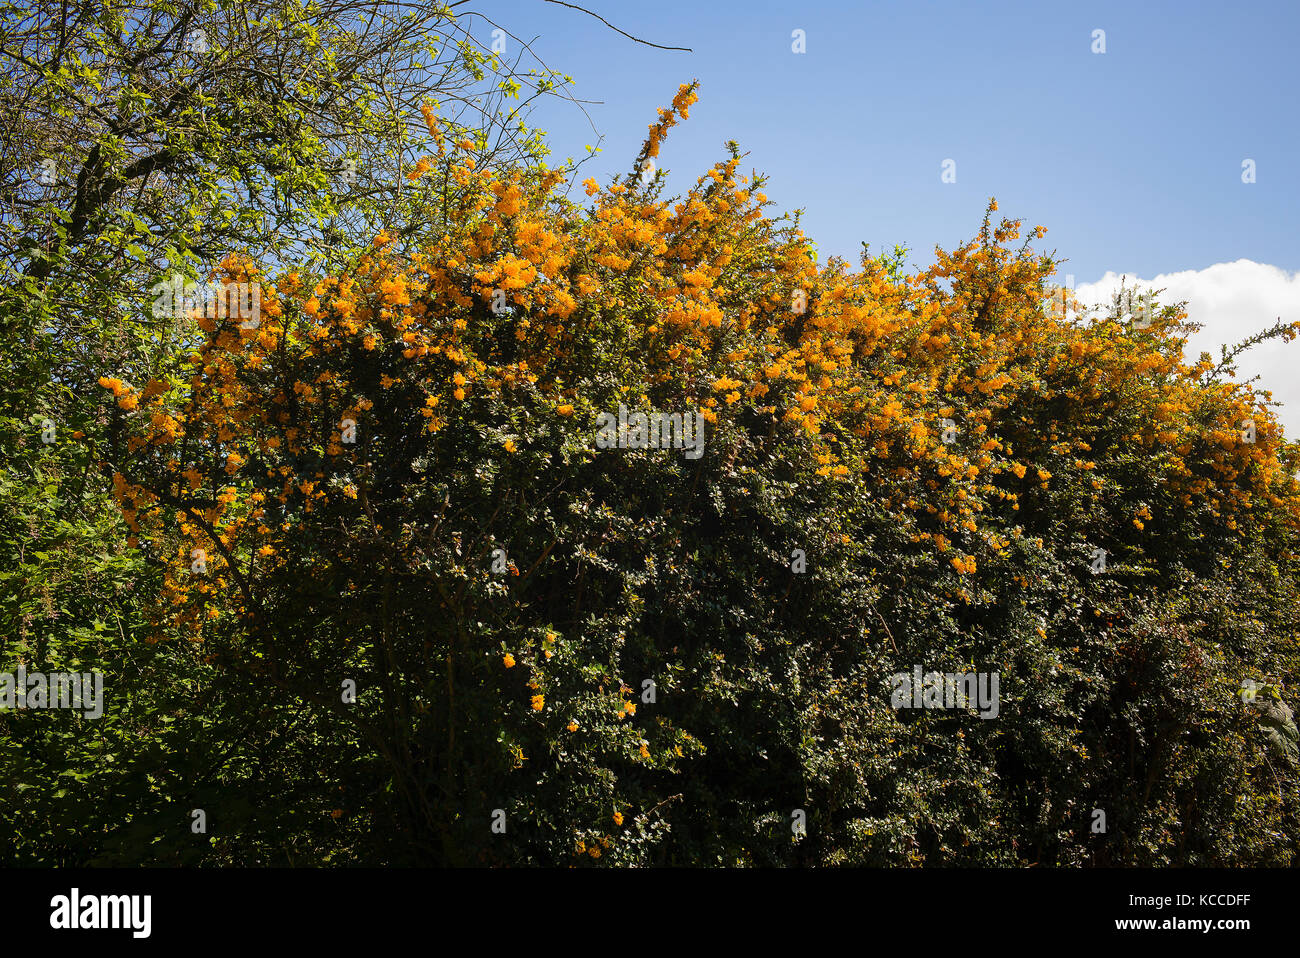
{"points": [[563, 653]]}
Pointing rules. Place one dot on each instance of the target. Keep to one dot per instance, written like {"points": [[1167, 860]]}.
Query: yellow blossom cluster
{"points": [[713, 306]]}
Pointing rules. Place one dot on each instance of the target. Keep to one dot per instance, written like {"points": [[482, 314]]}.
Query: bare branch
{"points": [[657, 46]]}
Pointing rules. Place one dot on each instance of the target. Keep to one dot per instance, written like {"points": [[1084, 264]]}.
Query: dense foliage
{"points": [[390, 482]]}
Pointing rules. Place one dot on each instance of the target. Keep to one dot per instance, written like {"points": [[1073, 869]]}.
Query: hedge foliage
{"points": [[634, 657]]}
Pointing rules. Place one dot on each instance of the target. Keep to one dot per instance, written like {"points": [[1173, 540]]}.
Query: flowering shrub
{"points": [[642, 658]]}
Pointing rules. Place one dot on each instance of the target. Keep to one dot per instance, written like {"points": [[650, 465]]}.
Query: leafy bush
{"points": [[632, 656]]}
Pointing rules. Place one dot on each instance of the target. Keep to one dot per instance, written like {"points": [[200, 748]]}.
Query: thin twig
{"points": [[616, 29], [885, 624], [644, 815]]}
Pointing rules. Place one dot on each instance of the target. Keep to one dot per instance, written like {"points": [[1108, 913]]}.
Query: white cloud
{"points": [[1231, 301]]}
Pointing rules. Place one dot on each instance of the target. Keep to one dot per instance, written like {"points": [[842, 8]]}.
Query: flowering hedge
{"points": [[563, 653]]}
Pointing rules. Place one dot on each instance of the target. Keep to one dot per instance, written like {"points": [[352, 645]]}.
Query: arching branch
{"points": [[574, 6]]}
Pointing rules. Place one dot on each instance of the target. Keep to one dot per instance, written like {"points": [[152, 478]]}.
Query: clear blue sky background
{"points": [[1131, 158]]}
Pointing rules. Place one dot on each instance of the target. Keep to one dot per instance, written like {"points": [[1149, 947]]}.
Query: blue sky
{"points": [[1131, 158]]}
